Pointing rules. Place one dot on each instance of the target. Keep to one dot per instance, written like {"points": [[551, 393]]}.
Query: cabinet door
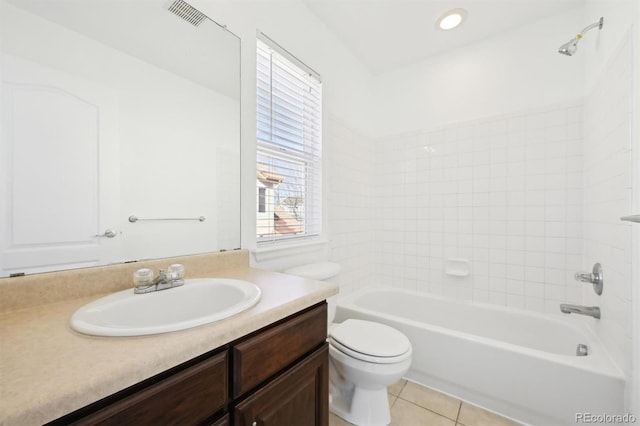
{"points": [[299, 396]]}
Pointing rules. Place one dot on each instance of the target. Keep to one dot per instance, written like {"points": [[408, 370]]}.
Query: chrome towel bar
{"points": [[134, 219]]}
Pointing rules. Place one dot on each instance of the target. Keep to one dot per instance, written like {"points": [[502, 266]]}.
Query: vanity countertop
{"points": [[48, 370]]}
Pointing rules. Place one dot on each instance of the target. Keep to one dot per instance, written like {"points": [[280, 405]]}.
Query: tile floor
{"points": [[415, 405]]}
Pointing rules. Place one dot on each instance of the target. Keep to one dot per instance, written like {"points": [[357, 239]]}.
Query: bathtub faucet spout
{"points": [[592, 311]]}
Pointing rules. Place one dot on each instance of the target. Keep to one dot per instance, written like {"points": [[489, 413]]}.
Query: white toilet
{"points": [[365, 358]]}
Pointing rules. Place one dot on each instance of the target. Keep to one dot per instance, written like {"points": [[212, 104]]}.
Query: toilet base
{"points": [[362, 407]]}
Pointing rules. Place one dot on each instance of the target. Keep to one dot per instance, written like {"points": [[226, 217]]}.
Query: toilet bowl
{"points": [[364, 358]]}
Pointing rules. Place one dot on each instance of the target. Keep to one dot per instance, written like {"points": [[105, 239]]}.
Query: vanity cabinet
{"points": [[299, 395], [275, 376]]}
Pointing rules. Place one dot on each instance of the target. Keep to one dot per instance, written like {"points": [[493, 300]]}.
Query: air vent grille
{"points": [[187, 12]]}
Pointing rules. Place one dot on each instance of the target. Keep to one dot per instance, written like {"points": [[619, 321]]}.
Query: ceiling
{"points": [[386, 34]]}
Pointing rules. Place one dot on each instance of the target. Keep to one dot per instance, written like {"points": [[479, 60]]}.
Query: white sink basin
{"points": [[198, 301]]}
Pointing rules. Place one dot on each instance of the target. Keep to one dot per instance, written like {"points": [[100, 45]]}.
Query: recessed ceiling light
{"points": [[451, 19]]}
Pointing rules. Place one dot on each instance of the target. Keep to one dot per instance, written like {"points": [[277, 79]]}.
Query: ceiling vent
{"points": [[187, 12]]}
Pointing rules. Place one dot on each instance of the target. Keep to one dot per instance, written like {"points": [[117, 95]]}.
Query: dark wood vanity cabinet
{"points": [[299, 395], [275, 376]]}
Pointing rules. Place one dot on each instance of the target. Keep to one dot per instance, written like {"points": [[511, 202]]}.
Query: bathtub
{"points": [[521, 365]]}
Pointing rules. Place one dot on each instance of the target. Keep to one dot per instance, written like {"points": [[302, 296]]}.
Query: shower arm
{"points": [[598, 24]]}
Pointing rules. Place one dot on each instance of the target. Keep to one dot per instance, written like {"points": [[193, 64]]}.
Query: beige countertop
{"points": [[48, 370]]}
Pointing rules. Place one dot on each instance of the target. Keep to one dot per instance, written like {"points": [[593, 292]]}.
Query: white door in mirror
{"points": [[56, 205], [199, 301]]}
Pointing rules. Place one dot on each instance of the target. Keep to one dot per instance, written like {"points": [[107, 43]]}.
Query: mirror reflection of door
{"points": [[162, 98], [54, 209]]}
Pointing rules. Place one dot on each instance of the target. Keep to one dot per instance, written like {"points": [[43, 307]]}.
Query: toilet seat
{"points": [[370, 341]]}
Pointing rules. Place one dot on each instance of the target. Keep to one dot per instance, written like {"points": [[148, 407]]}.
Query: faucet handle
{"points": [[595, 277], [585, 277], [175, 274], [176, 271], [143, 281]]}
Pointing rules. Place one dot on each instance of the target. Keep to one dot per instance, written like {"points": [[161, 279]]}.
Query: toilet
{"points": [[364, 358]]}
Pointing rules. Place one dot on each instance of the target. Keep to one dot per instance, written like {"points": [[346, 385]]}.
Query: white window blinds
{"points": [[289, 135]]}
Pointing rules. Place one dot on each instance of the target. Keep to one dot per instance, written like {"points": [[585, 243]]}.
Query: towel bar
{"points": [[134, 219]]}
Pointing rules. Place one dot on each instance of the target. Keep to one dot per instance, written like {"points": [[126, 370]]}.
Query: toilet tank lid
{"points": [[316, 271]]}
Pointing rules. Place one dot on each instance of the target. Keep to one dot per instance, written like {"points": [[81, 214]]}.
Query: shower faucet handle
{"points": [[595, 277]]}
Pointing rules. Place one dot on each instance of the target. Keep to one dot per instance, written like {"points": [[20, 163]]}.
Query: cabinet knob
{"points": [[254, 423]]}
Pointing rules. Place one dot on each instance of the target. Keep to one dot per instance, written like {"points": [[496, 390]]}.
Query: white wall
{"points": [[608, 196], [612, 154], [599, 46], [346, 94], [635, 352], [510, 72]]}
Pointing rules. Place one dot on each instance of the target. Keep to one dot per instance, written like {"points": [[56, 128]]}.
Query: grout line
{"points": [[400, 391], [402, 388], [458, 415], [427, 409], [395, 398]]}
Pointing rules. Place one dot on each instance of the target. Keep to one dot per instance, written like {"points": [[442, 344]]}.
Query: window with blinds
{"points": [[289, 155]]}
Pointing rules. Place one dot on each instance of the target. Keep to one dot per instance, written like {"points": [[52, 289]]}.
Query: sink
{"points": [[199, 301]]}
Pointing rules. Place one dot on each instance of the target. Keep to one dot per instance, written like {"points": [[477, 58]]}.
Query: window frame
{"points": [[284, 147]]}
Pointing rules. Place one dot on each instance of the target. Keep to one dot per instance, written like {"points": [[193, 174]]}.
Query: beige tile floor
{"points": [[415, 405]]}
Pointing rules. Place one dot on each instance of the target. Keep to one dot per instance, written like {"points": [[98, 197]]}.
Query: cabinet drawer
{"points": [[262, 356], [187, 397]]}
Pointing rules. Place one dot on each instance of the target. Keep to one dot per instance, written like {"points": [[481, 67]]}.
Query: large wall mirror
{"points": [[120, 136]]}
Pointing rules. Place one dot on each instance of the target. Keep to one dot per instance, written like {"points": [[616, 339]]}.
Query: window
{"points": [[289, 134]]}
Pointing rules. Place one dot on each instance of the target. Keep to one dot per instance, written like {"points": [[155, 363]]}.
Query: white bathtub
{"points": [[519, 364]]}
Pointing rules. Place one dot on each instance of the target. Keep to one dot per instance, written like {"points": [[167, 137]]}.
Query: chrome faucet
{"points": [[163, 281], [592, 311]]}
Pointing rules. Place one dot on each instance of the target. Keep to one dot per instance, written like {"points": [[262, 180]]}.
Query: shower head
{"points": [[571, 46]]}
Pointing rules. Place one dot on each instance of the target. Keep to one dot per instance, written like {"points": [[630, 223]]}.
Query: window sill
{"points": [[266, 253]]}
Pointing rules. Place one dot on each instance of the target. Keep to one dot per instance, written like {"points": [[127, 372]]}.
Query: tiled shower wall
{"points": [[349, 158], [503, 194], [608, 155]]}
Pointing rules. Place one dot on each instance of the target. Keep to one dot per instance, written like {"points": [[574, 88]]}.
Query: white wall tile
{"points": [[499, 191], [607, 190]]}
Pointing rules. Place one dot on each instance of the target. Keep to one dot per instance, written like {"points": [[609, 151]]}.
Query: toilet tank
{"points": [[320, 271]]}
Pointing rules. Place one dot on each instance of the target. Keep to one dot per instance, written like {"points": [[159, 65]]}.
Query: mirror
{"points": [[120, 134]]}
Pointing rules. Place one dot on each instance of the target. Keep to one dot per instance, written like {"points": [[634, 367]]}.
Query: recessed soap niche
{"points": [[457, 267]]}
